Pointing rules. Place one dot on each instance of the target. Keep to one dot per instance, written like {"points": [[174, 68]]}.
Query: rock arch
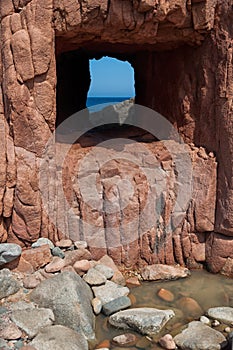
{"points": [[182, 55]]}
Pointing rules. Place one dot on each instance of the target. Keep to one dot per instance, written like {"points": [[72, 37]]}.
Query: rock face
{"points": [[159, 39], [70, 299]]}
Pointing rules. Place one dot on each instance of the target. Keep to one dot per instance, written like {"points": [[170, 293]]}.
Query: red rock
{"points": [[103, 344], [11, 332], [38, 257], [64, 243], [76, 255], [166, 295], [82, 266], [55, 265], [133, 281], [20, 265]]}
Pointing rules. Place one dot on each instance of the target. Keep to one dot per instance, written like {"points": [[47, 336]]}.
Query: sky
{"points": [[111, 78]]}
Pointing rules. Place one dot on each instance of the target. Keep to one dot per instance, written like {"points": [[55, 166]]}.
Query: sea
{"points": [[93, 103]]}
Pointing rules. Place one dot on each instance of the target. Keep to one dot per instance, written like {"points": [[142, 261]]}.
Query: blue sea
{"points": [[92, 102]]}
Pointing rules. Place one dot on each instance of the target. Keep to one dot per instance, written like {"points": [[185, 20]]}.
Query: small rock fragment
{"points": [[97, 305], [167, 342], [127, 339]]}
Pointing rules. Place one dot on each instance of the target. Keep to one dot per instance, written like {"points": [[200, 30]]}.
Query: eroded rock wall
{"points": [[182, 55]]}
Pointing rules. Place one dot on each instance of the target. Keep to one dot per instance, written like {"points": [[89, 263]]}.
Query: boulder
{"points": [[59, 337], [116, 305], [42, 241], [198, 336], [110, 291], [94, 277], [147, 321], [70, 299], [9, 252], [163, 272], [8, 285], [31, 321], [223, 314]]}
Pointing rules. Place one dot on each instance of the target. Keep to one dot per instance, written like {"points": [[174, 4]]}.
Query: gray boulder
{"points": [[94, 277], [116, 305], [198, 336], [70, 299], [59, 337], [32, 320], [109, 292], [9, 252], [147, 321], [223, 314], [42, 241], [8, 285]]}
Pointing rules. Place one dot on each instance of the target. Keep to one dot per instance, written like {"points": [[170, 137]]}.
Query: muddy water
{"points": [[206, 289]]}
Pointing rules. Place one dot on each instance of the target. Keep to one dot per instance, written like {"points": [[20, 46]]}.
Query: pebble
{"points": [[64, 243], [97, 305], [56, 251], [127, 339], [166, 295], [167, 342], [42, 241], [215, 323], [227, 330], [55, 265], [205, 320]]}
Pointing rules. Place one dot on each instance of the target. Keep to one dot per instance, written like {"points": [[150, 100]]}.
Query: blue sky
{"points": [[111, 77]]}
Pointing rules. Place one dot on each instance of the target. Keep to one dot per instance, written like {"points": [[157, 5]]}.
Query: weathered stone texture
{"points": [[182, 55]]}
